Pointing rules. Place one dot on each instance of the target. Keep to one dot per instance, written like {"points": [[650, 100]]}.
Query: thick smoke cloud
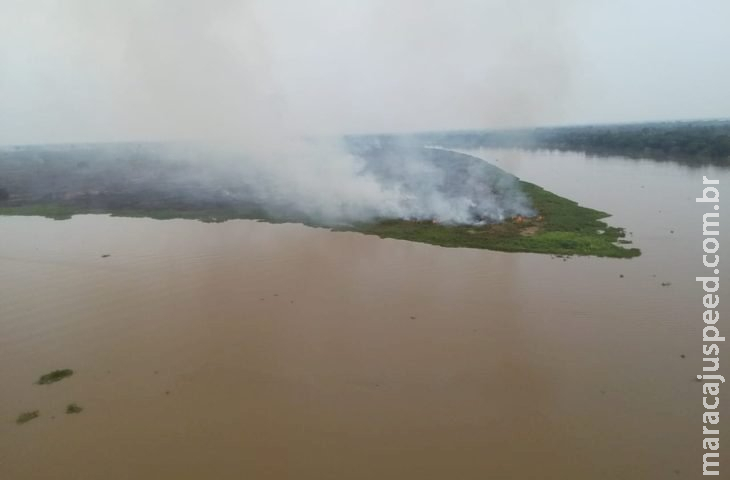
{"points": [[258, 80], [323, 182]]}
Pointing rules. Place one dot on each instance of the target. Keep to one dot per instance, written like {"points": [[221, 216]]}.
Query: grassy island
{"points": [[78, 182]]}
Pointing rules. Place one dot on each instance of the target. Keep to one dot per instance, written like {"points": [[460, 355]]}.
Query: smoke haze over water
{"points": [[246, 70], [263, 77]]}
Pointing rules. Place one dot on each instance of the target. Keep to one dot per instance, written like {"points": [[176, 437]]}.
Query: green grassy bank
{"points": [[560, 227]]}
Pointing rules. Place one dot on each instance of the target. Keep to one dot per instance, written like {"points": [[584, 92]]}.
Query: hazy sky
{"points": [[96, 70]]}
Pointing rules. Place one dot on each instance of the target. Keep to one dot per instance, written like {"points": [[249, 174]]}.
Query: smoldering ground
{"points": [[263, 89], [367, 181]]}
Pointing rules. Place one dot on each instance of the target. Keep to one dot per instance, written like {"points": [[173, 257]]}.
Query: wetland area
{"points": [[251, 349]]}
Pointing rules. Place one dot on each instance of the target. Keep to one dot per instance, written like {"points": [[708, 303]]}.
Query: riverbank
{"points": [[560, 227]]}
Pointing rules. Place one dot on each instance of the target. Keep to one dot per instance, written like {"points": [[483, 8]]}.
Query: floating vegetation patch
{"points": [[73, 408], [26, 417], [55, 376]]}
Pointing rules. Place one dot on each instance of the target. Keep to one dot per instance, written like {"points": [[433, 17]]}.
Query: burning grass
{"points": [[560, 227]]}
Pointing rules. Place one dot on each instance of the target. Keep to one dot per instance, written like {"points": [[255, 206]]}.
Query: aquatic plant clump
{"points": [[73, 408], [26, 417], [55, 376]]}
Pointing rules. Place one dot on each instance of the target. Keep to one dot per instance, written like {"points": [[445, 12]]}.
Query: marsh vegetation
{"points": [[26, 417], [506, 214], [54, 376], [560, 226]]}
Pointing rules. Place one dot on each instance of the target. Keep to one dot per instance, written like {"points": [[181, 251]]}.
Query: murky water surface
{"points": [[249, 350]]}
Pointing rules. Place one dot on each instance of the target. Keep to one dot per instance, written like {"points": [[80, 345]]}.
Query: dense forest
{"points": [[693, 143]]}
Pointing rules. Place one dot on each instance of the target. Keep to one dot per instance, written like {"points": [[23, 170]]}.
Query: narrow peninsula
{"points": [[135, 181]]}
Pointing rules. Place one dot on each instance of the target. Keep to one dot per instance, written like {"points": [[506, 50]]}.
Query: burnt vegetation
{"points": [[136, 180]]}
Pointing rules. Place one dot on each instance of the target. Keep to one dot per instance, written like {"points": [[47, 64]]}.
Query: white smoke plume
{"points": [[268, 85]]}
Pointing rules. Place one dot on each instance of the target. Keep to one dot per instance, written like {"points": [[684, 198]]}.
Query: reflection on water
{"points": [[249, 350]]}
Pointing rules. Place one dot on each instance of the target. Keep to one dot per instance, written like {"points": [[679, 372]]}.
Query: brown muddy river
{"points": [[249, 350]]}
